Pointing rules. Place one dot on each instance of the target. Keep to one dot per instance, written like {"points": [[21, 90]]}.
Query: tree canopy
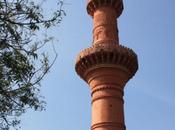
{"points": [[21, 66]]}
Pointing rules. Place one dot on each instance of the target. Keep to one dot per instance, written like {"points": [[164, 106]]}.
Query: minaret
{"points": [[106, 66]]}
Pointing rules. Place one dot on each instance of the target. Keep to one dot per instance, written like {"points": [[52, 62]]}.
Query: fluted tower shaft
{"points": [[106, 66]]}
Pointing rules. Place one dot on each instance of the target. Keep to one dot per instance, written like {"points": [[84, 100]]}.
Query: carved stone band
{"points": [[107, 97], [107, 87], [108, 124]]}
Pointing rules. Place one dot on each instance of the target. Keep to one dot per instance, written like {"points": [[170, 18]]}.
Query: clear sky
{"points": [[146, 26]]}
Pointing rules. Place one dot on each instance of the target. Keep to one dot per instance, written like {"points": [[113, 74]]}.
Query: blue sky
{"points": [[146, 26]]}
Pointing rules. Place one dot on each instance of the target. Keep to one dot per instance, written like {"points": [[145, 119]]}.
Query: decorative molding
{"points": [[109, 25], [108, 124], [107, 31], [95, 4], [109, 54], [107, 87], [98, 66], [106, 84], [107, 97]]}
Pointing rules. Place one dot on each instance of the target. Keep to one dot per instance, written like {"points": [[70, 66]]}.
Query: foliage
{"points": [[21, 66]]}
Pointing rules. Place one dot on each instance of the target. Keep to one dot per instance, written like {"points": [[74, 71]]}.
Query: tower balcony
{"points": [[110, 56]]}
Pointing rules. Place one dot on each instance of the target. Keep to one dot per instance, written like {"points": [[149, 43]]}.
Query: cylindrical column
{"points": [[107, 108], [105, 26], [107, 85]]}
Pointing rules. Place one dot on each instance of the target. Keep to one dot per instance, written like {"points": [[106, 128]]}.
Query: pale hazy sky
{"points": [[146, 26]]}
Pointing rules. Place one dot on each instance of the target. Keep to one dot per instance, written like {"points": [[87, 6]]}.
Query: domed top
{"points": [[92, 5]]}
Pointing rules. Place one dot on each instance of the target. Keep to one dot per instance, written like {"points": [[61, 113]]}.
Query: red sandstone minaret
{"points": [[106, 66]]}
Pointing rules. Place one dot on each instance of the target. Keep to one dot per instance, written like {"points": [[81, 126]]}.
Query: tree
{"points": [[21, 66]]}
